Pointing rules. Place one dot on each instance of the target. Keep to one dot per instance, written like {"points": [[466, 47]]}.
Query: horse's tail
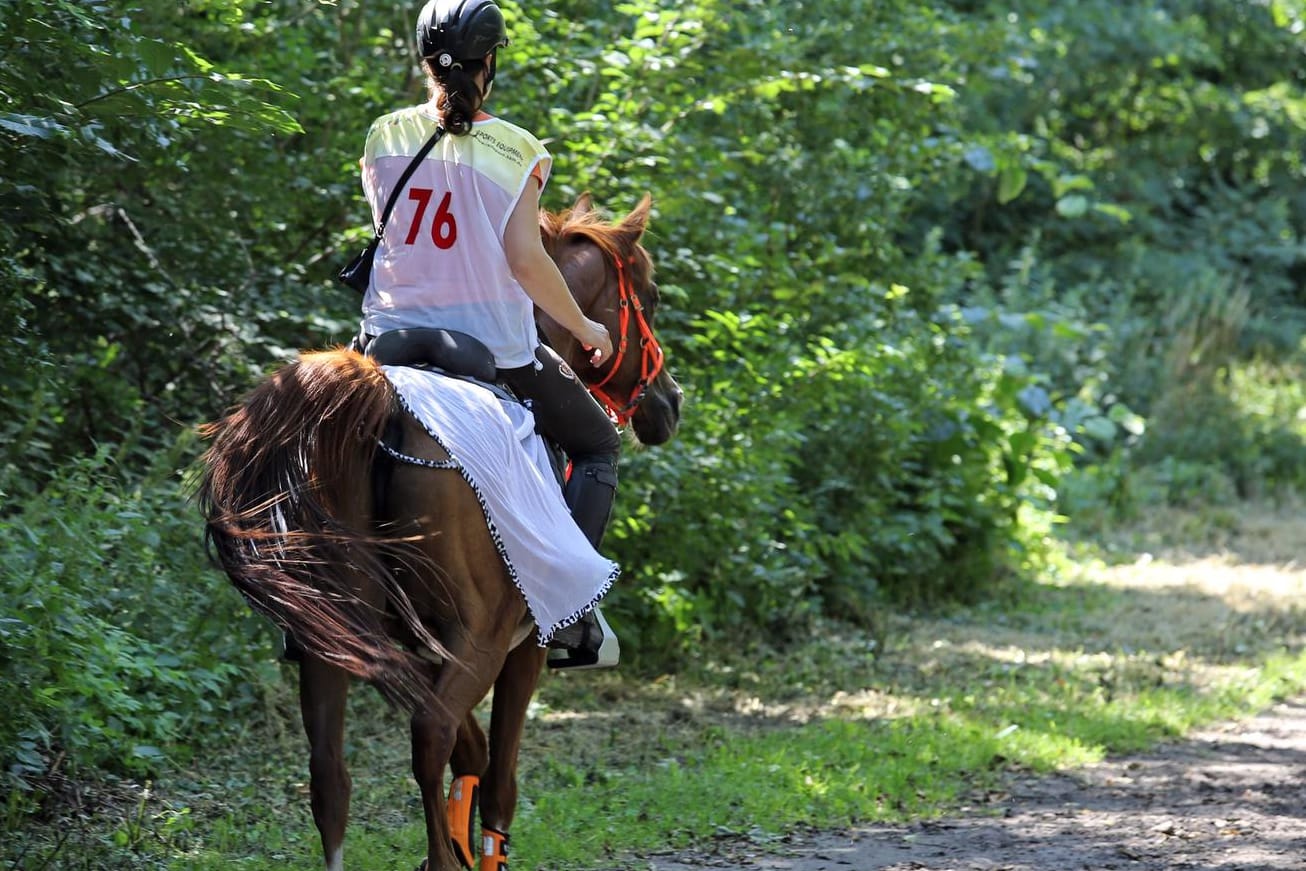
{"points": [[286, 492]]}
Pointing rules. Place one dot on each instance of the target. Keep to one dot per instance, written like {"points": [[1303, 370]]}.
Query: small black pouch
{"points": [[357, 273]]}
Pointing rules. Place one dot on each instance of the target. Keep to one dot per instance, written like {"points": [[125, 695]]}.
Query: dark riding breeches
{"points": [[566, 413]]}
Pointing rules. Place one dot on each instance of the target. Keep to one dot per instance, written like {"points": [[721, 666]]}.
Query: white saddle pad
{"points": [[494, 446]]}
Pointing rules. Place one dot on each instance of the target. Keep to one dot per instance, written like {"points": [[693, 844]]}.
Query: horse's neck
{"points": [[552, 332]]}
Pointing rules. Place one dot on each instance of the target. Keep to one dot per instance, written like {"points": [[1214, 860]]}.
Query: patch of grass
{"points": [[922, 719], [839, 767], [824, 773]]}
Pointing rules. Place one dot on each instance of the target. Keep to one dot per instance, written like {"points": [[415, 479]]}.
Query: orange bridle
{"points": [[650, 363]]}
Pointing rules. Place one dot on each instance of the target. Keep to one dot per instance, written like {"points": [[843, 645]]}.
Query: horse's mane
{"points": [[589, 224], [615, 239]]}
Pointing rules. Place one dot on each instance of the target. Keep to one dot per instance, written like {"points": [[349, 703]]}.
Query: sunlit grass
{"points": [[839, 769], [922, 718]]}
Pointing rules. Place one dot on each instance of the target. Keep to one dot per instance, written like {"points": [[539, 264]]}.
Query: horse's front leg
{"points": [[323, 691], [512, 696]]}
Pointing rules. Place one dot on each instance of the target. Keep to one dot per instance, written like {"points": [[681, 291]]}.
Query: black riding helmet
{"points": [[449, 31]]}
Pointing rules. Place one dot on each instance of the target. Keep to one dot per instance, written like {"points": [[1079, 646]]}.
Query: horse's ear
{"points": [[584, 205], [632, 226]]}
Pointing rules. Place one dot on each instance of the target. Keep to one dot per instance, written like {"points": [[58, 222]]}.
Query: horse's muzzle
{"points": [[658, 413]]}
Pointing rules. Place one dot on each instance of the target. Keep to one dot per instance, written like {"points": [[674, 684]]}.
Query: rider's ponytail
{"points": [[456, 93]]}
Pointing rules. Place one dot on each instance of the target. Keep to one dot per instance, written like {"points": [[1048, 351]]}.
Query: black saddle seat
{"points": [[452, 353], [450, 350]]}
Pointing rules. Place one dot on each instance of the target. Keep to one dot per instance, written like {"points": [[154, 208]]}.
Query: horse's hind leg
{"points": [[471, 754], [512, 696], [459, 686], [323, 691]]}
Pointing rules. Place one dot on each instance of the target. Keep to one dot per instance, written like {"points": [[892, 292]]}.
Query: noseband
{"points": [[650, 362]]}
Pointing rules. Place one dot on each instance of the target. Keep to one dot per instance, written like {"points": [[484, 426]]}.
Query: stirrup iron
{"points": [[605, 654]]}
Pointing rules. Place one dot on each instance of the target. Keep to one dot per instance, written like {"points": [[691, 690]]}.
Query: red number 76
{"points": [[444, 230]]}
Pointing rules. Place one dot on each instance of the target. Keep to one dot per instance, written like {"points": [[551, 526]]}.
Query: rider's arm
{"points": [[538, 275]]}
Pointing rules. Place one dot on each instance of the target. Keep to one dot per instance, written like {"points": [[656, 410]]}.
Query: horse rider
{"points": [[466, 254]]}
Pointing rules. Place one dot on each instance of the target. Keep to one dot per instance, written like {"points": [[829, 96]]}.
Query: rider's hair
{"points": [[456, 94]]}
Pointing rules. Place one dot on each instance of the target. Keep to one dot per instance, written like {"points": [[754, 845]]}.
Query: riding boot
{"points": [[590, 492], [590, 641]]}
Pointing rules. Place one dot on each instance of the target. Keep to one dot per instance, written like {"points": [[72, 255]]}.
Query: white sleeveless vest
{"points": [[441, 262]]}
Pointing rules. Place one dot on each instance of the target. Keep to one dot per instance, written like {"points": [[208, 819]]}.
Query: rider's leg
{"points": [[567, 413], [590, 492]]}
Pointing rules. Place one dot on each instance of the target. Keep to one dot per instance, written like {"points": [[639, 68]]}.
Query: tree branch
{"points": [[138, 85]]}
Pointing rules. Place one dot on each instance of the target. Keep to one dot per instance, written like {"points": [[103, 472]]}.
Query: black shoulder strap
{"points": [[403, 179]]}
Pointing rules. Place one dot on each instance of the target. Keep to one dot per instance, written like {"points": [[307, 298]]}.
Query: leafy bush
{"points": [[1144, 164], [119, 642], [836, 475]]}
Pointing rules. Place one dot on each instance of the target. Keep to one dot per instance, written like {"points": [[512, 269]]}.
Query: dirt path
{"points": [[1231, 798]]}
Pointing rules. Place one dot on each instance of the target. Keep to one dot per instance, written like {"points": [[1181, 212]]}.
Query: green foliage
{"points": [[845, 435], [141, 238], [118, 643], [851, 475], [1163, 201], [931, 273]]}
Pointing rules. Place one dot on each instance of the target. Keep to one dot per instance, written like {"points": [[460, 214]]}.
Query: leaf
{"points": [[1064, 184], [1073, 206], [1035, 400], [31, 125], [938, 93], [980, 159], [1128, 420], [1120, 213], [1100, 428], [1011, 181], [156, 56]]}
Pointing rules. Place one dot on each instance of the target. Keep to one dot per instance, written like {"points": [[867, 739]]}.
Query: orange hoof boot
{"points": [[458, 811], [494, 850]]}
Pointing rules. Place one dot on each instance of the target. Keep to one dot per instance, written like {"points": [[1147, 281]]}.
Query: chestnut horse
{"points": [[386, 570]]}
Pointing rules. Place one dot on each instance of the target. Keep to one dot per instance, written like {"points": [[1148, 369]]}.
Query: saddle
{"points": [[448, 352], [452, 354]]}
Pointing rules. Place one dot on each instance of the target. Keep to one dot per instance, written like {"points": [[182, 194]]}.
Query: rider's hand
{"points": [[594, 337]]}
